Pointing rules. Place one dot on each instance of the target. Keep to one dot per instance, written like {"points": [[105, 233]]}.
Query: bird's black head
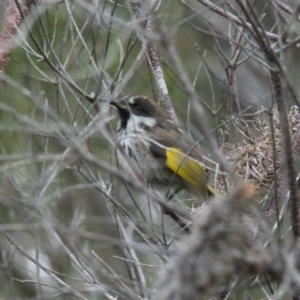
{"points": [[140, 108]]}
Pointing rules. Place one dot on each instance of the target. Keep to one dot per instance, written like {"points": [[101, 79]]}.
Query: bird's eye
{"points": [[138, 108]]}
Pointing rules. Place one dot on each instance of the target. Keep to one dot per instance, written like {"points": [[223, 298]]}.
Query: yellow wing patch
{"points": [[189, 170]]}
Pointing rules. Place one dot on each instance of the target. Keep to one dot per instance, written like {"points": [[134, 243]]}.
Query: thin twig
{"points": [[46, 270], [231, 17]]}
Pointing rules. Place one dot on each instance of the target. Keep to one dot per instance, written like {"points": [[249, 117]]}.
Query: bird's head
{"points": [[138, 110]]}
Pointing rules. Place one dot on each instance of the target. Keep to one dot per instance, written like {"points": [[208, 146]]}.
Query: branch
{"points": [[284, 7], [231, 17], [153, 60], [288, 154]]}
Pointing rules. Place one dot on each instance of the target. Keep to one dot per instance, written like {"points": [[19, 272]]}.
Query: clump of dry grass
{"points": [[253, 159]]}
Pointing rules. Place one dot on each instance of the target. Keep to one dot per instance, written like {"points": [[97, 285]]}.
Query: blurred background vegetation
{"points": [[65, 220]]}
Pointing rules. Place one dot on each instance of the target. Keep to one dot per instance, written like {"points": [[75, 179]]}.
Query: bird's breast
{"points": [[136, 145]]}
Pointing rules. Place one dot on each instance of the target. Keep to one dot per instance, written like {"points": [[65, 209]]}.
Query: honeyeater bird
{"points": [[161, 151]]}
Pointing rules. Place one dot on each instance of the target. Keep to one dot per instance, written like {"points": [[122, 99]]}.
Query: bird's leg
{"points": [[177, 190], [171, 213]]}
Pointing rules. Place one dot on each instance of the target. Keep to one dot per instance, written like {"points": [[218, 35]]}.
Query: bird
{"points": [[158, 148]]}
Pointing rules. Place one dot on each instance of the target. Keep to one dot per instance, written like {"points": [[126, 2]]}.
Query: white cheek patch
{"points": [[134, 121], [131, 100]]}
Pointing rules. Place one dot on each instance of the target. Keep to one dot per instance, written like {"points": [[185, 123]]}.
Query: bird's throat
{"points": [[124, 117]]}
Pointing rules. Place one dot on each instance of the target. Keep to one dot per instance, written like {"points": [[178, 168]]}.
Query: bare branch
{"points": [[156, 67]]}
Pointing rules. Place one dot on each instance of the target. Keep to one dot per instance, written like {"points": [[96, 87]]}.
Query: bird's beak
{"points": [[119, 105]]}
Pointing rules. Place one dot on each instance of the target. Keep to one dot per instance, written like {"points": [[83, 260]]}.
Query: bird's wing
{"points": [[180, 155]]}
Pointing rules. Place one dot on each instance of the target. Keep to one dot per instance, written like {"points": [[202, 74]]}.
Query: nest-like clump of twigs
{"points": [[221, 250], [253, 157]]}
